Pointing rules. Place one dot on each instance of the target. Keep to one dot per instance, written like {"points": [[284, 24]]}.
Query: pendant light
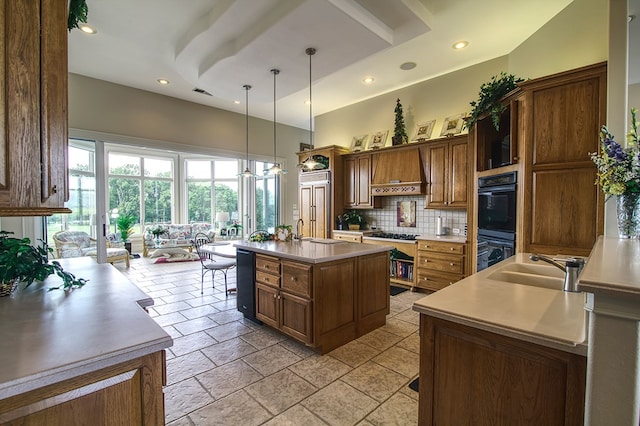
{"points": [[275, 169], [310, 163], [247, 172]]}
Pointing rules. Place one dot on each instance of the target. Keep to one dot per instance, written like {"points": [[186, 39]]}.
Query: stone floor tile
{"points": [[269, 360], [354, 353], [202, 300], [340, 404], [263, 337], [320, 370], [227, 351], [186, 366], [171, 331], [399, 327], [170, 307], [182, 421], [237, 409], [409, 316], [297, 348], [197, 324], [226, 379], [280, 391], [172, 298], [169, 319], [296, 416], [399, 410], [400, 360], [200, 311], [374, 380], [225, 317], [380, 339], [411, 343], [228, 331], [184, 397], [191, 342], [406, 390]]}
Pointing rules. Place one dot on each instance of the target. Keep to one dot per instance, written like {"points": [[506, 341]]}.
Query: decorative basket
{"points": [[7, 288]]}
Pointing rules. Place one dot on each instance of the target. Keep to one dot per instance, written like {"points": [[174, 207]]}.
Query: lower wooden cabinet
{"points": [[440, 264], [129, 393], [323, 305], [474, 377]]}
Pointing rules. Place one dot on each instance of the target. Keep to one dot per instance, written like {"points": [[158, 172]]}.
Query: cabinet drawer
{"points": [[268, 264], [346, 237], [441, 246], [441, 262], [268, 279], [435, 281], [296, 278]]}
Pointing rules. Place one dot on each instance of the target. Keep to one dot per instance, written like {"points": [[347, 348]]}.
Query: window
{"points": [[82, 192], [266, 199]]}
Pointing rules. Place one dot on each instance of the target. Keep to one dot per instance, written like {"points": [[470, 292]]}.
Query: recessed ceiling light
{"points": [[307, 102], [163, 81], [368, 80], [236, 102], [88, 29], [460, 44], [407, 66]]}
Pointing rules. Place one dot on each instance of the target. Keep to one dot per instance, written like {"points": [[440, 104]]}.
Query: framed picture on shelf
{"points": [[452, 125], [305, 146], [359, 143], [423, 130], [406, 213], [378, 139]]}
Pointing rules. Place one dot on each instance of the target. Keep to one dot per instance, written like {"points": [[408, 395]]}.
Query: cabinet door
{"points": [[306, 207], [459, 166], [320, 211], [267, 304], [363, 179], [350, 183], [438, 169], [296, 316]]}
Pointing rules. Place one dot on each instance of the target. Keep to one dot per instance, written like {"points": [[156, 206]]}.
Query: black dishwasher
{"points": [[245, 283]]}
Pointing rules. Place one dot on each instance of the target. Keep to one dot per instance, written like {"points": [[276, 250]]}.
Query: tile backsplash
{"points": [[385, 219]]}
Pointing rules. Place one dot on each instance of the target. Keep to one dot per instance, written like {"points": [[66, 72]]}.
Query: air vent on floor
{"points": [[202, 91]]}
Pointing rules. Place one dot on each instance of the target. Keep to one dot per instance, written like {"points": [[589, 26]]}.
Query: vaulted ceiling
{"points": [[218, 46]]}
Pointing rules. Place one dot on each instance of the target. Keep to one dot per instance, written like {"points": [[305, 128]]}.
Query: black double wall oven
{"points": [[496, 218]]}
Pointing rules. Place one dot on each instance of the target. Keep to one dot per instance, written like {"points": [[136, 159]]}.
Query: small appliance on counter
{"points": [[440, 227]]}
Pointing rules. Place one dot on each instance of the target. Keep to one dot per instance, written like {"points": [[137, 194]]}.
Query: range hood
{"points": [[398, 172]]}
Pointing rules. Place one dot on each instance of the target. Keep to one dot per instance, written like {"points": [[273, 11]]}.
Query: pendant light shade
{"points": [[247, 172], [310, 163], [275, 169]]}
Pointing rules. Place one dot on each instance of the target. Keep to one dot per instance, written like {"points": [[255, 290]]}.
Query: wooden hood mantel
{"points": [[397, 172]]}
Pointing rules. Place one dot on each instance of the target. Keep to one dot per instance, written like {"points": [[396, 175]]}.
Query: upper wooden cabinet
{"points": [[447, 164], [33, 108], [563, 211], [357, 178]]}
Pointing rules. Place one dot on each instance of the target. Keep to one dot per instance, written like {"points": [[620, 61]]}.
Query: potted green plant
{"points": [[124, 224], [354, 219], [399, 131], [22, 262], [158, 232], [489, 99]]}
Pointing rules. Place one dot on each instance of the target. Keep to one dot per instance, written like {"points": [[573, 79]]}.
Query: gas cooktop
{"points": [[387, 235]]}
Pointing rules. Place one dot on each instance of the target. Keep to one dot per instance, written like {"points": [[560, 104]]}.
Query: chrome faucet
{"points": [[299, 226], [571, 268]]}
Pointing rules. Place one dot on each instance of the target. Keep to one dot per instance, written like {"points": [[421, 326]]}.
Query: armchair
{"points": [[79, 243]]}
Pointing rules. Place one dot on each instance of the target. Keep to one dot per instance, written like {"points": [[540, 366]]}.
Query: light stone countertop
{"points": [[547, 317], [314, 250], [613, 268], [50, 336]]}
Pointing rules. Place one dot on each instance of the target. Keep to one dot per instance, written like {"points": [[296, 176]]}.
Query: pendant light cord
{"points": [[310, 51], [246, 104], [275, 73]]}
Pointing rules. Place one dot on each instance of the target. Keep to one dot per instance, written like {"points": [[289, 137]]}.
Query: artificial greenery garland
{"points": [[78, 11], [489, 99]]}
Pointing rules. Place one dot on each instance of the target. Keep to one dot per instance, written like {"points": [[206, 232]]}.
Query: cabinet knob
{"points": [[451, 249], [54, 189], [275, 296], [293, 278], [452, 264]]}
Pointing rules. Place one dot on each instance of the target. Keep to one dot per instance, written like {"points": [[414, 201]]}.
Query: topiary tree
{"points": [[399, 131]]}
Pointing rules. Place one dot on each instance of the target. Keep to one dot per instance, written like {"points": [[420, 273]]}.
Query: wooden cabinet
{"points": [[562, 209], [401, 268], [314, 204], [33, 108], [440, 264], [323, 305], [469, 376], [357, 173], [447, 166], [350, 236], [126, 394]]}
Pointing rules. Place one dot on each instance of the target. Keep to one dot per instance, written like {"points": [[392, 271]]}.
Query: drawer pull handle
{"points": [[451, 249], [274, 296], [293, 278], [452, 264]]}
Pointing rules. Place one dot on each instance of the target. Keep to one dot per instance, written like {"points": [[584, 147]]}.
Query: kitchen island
{"points": [[503, 346], [323, 293], [81, 356]]}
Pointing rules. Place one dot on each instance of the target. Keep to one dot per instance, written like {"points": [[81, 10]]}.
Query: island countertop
{"points": [[544, 316], [51, 336], [314, 250]]}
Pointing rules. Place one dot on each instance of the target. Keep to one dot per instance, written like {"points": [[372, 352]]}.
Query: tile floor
{"points": [[225, 370]]}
